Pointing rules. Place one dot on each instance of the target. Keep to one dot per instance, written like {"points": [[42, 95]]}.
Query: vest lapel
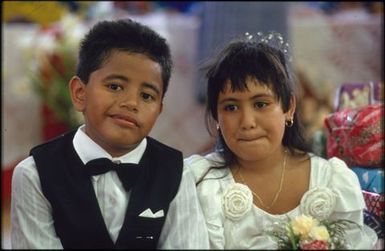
{"points": [[143, 195], [78, 220], [91, 209]]}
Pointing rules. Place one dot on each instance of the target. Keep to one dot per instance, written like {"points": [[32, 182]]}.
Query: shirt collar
{"points": [[87, 149]]}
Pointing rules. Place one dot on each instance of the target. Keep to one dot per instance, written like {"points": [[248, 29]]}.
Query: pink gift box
{"points": [[374, 203]]}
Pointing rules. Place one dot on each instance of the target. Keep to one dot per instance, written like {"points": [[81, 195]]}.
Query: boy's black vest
{"points": [[77, 217]]}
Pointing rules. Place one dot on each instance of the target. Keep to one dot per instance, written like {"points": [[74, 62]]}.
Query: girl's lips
{"points": [[247, 139]]}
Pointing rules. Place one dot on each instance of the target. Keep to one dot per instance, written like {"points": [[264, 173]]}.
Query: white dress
{"points": [[248, 231]]}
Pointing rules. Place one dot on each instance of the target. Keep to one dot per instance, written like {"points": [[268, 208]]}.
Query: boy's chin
{"points": [[119, 149], [127, 144]]}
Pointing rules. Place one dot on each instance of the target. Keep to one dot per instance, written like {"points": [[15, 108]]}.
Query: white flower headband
{"points": [[273, 39]]}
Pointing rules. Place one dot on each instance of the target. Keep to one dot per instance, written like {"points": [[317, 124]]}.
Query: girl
{"points": [[262, 174]]}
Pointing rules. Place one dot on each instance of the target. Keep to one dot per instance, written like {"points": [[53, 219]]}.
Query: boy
{"points": [[72, 192]]}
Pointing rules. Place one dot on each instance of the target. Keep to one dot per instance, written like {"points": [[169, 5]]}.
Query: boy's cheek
{"points": [[79, 105]]}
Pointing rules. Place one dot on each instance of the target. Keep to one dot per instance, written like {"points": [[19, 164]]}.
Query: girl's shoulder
{"points": [[212, 158], [334, 174], [327, 171], [204, 165]]}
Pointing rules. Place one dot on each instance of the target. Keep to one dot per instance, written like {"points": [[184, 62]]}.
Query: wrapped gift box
{"points": [[356, 136], [374, 203], [357, 95], [371, 179], [374, 222]]}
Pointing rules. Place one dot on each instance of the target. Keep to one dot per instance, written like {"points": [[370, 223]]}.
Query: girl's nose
{"points": [[247, 120]]}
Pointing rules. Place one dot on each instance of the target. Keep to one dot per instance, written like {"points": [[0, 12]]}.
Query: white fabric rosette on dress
{"points": [[318, 202], [236, 201]]}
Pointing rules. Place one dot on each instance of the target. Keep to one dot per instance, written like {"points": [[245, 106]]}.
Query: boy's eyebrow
{"points": [[124, 78], [231, 99], [152, 86], [116, 76]]}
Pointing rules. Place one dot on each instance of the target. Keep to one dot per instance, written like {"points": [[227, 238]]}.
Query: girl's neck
{"points": [[265, 165]]}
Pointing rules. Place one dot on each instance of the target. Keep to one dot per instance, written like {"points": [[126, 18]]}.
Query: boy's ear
{"points": [[78, 93]]}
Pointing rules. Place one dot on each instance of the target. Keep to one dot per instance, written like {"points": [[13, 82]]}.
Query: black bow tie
{"points": [[128, 172]]}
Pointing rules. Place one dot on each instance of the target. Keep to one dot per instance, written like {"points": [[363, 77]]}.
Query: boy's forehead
{"points": [[118, 57], [129, 66], [114, 53]]}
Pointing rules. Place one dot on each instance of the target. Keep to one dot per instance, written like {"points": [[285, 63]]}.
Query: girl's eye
{"points": [[147, 97], [260, 104], [115, 87], [231, 108]]}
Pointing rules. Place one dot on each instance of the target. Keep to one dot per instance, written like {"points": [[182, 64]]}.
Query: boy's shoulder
{"points": [[162, 147], [54, 141]]}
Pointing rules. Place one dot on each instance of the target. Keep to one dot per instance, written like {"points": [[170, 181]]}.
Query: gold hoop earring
{"points": [[289, 123]]}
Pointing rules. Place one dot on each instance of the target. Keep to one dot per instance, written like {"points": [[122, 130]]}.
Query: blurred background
{"points": [[337, 51]]}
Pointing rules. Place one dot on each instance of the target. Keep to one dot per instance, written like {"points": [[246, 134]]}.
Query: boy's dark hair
{"points": [[122, 35], [242, 58]]}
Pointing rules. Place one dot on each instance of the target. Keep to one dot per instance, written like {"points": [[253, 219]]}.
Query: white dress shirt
{"points": [[32, 225]]}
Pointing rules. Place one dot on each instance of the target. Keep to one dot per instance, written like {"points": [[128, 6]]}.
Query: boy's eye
{"points": [[147, 96], [260, 104], [115, 87], [231, 108]]}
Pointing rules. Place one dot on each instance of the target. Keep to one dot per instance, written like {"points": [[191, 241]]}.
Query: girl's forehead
{"points": [[251, 85]]}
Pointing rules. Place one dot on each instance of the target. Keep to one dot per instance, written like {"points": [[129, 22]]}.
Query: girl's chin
{"points": [[252, 154]]}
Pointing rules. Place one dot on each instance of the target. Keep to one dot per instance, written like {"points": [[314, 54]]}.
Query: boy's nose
{"points": [[129, 102]]}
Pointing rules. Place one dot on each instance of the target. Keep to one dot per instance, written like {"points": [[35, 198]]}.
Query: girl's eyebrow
{"points": [[232, 99], [228, 100], [261, 95]]}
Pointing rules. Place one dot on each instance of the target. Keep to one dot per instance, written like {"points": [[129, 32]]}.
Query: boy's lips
{"points": [[125, 118]]}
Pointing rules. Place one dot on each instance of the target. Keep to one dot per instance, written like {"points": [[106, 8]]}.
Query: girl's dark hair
{"points": [[242, 58], [122, 35]]}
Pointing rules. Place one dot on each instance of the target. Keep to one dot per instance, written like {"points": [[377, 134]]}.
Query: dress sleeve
{"points": [[31, 219], [345, 183], [184, 227], [197, 165], [350, 205], [209, 194]]}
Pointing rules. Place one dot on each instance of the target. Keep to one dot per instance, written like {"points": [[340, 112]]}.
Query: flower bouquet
{"points": [[307, 233], [312, 230], [51, 54]]}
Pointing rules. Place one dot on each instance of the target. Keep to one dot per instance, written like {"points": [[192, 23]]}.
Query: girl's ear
{"points": [[293, 105], [161, 107], [78, 93]]}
